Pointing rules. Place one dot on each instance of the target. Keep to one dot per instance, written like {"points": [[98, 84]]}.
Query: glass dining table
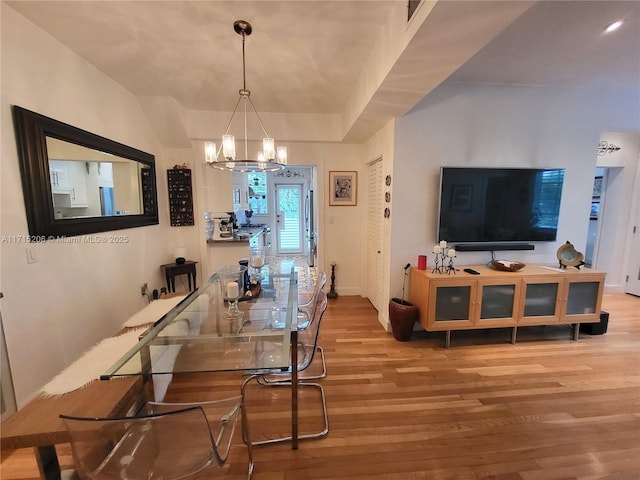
{"points": [[200, 335]]}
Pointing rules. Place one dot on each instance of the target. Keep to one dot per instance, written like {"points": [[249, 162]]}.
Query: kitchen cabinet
{"points": [[59, 175], [535, 295], [68, 183]]}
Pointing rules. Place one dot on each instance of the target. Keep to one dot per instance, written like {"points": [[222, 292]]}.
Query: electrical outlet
{"points": [[144, 289]]}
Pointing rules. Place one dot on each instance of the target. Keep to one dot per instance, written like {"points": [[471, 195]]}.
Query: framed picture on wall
{"points": [[343, 188]]}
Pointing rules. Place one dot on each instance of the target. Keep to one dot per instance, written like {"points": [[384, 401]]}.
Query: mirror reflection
{"points": [[75, 182], [90, 183]]}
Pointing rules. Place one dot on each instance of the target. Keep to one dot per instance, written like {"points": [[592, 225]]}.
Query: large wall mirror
{"points": [[75, 182]]}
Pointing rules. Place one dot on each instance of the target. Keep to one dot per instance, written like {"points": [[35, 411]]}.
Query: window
{"points": [[548, 190], [258, 200]]}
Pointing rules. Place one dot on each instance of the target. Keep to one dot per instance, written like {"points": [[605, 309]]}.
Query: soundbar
{"points": [[492, 247]]}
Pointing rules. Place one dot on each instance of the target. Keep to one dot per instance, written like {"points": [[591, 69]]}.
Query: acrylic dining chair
{"points": [[306, 315], [307, 347], [166, 441]]}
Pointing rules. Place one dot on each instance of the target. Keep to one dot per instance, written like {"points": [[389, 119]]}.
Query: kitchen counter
{"points": [[241, 235]]}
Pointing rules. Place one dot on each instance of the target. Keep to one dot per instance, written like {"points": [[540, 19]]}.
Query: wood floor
{"points": [[546, 408]]}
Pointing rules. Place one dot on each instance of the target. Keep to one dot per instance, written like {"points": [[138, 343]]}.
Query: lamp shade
{"points": [[229, 147], [180, 254], [209, 152]]}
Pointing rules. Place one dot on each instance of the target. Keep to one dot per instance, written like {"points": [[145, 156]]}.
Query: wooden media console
{"points": [[534, 295]]}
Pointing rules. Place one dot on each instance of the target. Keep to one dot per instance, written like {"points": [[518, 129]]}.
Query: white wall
{"points": [[74, 295], [460, 125], [613, 250]]}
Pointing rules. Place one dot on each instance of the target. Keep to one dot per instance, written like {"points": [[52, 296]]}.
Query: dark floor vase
{"points": [[403, 316]]}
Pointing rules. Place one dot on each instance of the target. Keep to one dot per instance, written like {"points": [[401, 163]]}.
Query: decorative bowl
{"points": [[506, 265], [568, 256]]}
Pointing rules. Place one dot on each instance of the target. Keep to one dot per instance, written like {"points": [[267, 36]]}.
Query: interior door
{"points": [[632, 284], [374, 233], [289, 236]]}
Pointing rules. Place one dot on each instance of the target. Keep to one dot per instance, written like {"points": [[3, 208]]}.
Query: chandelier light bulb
{"points": [[229, 147], [268, 147], [261, 157], [282, 155], [209, 152]]}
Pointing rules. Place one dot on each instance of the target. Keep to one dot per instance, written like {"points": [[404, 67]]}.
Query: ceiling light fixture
{"points": [[270, 159], [613, 27]]}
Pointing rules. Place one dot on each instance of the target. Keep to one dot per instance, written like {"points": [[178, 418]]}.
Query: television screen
{"points": [[499, 204]]}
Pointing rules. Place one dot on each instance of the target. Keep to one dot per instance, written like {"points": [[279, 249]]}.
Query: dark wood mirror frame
{"points": [[32, 130]]}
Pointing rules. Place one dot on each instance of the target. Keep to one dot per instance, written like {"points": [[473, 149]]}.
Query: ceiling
{"points": [[309, 56]]}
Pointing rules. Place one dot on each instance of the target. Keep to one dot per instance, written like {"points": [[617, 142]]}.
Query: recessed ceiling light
{"points": [[613, 27]]}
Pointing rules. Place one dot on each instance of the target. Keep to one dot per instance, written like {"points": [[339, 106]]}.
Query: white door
{"points": [[289, 219], [374, 233], [633, 273]]}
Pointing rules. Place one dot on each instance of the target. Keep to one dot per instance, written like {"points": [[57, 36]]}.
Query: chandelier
{"points": [[270, 159]]}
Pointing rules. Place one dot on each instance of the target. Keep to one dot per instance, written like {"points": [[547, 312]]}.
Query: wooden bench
{"points": [[37, 424]]}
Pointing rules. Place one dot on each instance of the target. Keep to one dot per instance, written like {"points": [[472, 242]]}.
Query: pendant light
{"points": [[270, 159]]}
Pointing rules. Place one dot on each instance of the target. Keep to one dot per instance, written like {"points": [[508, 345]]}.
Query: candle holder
{"points": [[332, 292], [232, 277], [437, 266], [450, 266], [257, 260], [441, 254]]}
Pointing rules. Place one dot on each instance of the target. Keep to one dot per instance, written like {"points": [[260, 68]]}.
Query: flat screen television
{"points": [[480, 205]]}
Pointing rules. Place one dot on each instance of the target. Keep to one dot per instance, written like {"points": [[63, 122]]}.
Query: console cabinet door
{"points": [[541, 300], [583, 299], [452, 304], [497, 302]]}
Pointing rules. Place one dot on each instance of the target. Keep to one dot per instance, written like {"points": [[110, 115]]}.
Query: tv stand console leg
{"points": [[447, 338], [576, 331], [514, 332]]}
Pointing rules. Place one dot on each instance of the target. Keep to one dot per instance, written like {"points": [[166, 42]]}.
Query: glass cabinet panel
{"points": [[540, 299], [582, 297], [453, 303], [497, 301]]}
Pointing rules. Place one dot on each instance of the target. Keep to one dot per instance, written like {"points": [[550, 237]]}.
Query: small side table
{"points": [[187, 268]]}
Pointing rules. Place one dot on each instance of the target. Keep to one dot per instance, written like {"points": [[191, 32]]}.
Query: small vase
{"points": [[403, 316]]}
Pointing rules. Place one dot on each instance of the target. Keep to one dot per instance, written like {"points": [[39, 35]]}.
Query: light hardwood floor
{"points": [[546, 408]]}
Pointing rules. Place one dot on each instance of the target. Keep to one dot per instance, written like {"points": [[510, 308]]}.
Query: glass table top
{"points": [[198, 336]]}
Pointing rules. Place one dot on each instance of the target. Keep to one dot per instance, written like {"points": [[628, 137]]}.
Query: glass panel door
{"points": [[497, 301], [453, 303], [582, 298], [540, 299], [289, 219]]}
